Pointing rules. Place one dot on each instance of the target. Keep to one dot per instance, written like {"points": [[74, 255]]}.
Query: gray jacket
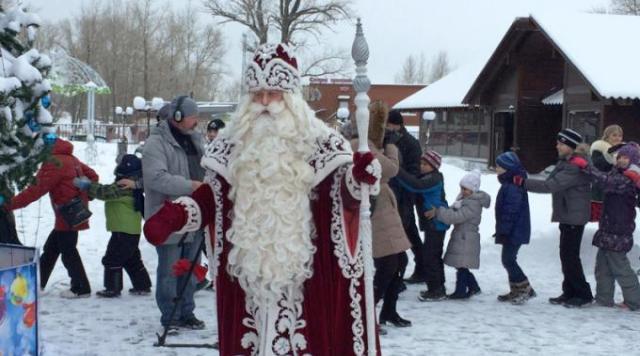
{"points": [[463, 250], [165, 170], [570, 190]]}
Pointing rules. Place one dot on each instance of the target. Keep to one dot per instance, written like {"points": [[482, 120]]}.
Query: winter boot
{"points": [[141, 292], [523, 292], [559, 299], [389, 315], [509, 296], [112, 283], [433, 295], [462, 283], [139, 276], [474, 288]]}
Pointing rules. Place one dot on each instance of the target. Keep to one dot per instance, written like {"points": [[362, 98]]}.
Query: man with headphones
{"points": [[171, 168]]}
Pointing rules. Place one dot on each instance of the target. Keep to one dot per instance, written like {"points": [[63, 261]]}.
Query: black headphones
{"points": [[177, 113]]}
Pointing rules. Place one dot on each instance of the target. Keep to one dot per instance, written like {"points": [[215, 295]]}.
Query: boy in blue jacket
{"points": [[513, 224], [429, 187]]}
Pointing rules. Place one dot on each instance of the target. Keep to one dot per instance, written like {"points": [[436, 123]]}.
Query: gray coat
{"points": [[463, 250], [165, 170], [570, 190]]}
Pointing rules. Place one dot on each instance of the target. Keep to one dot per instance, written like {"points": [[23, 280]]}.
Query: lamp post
{"points": [[140, 104], [428, 116], [123, 143]]}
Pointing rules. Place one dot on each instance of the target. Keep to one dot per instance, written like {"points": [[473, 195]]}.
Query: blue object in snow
{"points": [[45, 101], [50, 138]]}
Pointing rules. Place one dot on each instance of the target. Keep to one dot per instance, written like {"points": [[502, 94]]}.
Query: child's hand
{"points": [[633, 174], [126, 183], [82, 183], [430, 214]]}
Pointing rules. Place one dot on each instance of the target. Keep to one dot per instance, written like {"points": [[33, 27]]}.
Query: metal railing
{"points": [[134, 133]]}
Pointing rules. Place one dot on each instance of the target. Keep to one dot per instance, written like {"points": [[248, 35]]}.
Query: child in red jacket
{"points": [[56, 178]]}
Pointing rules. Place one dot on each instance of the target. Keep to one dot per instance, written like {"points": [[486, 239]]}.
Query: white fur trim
{"points": [[603, 146], [194, 215]]}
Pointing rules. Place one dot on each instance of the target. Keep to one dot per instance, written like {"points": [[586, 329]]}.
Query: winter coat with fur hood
{"points": [[463, 250]]}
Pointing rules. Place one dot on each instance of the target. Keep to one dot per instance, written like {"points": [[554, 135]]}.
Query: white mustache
{"points": [[274, 108]]}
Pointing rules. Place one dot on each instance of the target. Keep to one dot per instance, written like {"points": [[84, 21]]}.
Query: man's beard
{"points": [[272, 221]]}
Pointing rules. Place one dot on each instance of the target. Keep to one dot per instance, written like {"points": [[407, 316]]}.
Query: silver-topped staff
{"points": [[361, 85]]}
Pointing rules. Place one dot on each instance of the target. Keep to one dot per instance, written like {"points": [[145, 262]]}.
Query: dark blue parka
{"points": [[513, 221]]}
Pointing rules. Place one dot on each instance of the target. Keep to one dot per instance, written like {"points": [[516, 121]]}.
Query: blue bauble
{"points": [[32, 122], [50, 138], [45, 101]]}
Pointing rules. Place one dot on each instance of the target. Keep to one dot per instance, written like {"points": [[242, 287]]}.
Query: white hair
{"points": [[271, 181]]}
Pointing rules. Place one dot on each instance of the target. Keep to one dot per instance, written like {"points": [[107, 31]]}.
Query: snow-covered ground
{"points": [[480, 326]]}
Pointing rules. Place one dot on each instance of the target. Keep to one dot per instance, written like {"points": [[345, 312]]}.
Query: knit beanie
{"points": [[570, 138], [630, 150], [130, 166], [509, 161], [395, 117], [433, 158], [471, 181]]}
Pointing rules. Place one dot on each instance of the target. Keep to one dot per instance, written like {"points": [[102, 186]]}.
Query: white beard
{"points": [[271, 180]]}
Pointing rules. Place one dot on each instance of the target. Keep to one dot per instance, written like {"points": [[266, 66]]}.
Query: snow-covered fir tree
{"points": [[25, 123]]}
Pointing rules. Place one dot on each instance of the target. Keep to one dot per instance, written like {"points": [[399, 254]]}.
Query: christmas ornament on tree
{"points": [[25, 122]]}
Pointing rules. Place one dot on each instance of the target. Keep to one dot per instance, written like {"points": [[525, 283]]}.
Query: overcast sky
{"points": [[466, 29]]}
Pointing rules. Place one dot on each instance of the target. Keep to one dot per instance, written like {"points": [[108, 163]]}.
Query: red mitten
{"points": [[579, 162], [632, 174], [200, 272], [181, 267], [518, 180], [361, 160], [169, 219]]}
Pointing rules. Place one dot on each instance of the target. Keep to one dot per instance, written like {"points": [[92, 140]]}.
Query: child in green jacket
{"points": [[124, 206]]}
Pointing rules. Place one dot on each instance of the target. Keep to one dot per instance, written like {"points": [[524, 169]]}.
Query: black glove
{"points": [[391, 137]]}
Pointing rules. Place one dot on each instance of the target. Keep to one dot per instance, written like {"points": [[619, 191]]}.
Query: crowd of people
{"points": [[277, 171]]}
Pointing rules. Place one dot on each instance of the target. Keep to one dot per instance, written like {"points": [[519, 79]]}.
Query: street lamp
{"points": [[140, 104], [342, 114], [123, 143]]}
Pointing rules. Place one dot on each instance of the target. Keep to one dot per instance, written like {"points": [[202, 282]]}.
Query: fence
{"points": [[134, 133]]}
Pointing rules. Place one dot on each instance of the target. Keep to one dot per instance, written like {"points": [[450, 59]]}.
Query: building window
{"points": [[586, 123]]}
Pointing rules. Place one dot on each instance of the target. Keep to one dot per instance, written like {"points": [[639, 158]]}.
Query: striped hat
{"points": [[570, 138], [433, 158]]}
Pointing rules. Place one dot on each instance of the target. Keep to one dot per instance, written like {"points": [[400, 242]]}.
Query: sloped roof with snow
{"points": [[447, 92], [556, 98], [604, 48]]}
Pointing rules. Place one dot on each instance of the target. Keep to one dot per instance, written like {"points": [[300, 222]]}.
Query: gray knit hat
{"points": [[182, 106]]}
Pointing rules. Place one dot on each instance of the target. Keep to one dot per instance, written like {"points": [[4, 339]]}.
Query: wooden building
{"points": [[446, 124], [326, 96], [552, 71]]}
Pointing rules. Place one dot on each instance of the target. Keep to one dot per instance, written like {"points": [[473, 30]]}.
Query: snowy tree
{"points": [[24, 119], [440, 66], [293, 21], [413, 70], [626, 7]]}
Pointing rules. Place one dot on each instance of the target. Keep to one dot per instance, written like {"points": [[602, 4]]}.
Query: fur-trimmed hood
{"points": [[603, 146], [378, 112]]}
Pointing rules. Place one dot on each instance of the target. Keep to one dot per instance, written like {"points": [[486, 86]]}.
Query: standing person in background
{"points": [[388, 237], [430, 189], [213, 127], [123, 207], [570, 190], [171, 168], [603, 160], [410, 153], [56, 178], [513, 225], [614, 237]]}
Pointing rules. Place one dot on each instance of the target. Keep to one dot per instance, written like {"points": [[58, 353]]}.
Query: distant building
{"points": [[548, 72], [326, 96]]}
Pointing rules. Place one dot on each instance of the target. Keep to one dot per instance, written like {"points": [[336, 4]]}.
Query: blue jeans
{"points": [[510, 263], [168, 286]]}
